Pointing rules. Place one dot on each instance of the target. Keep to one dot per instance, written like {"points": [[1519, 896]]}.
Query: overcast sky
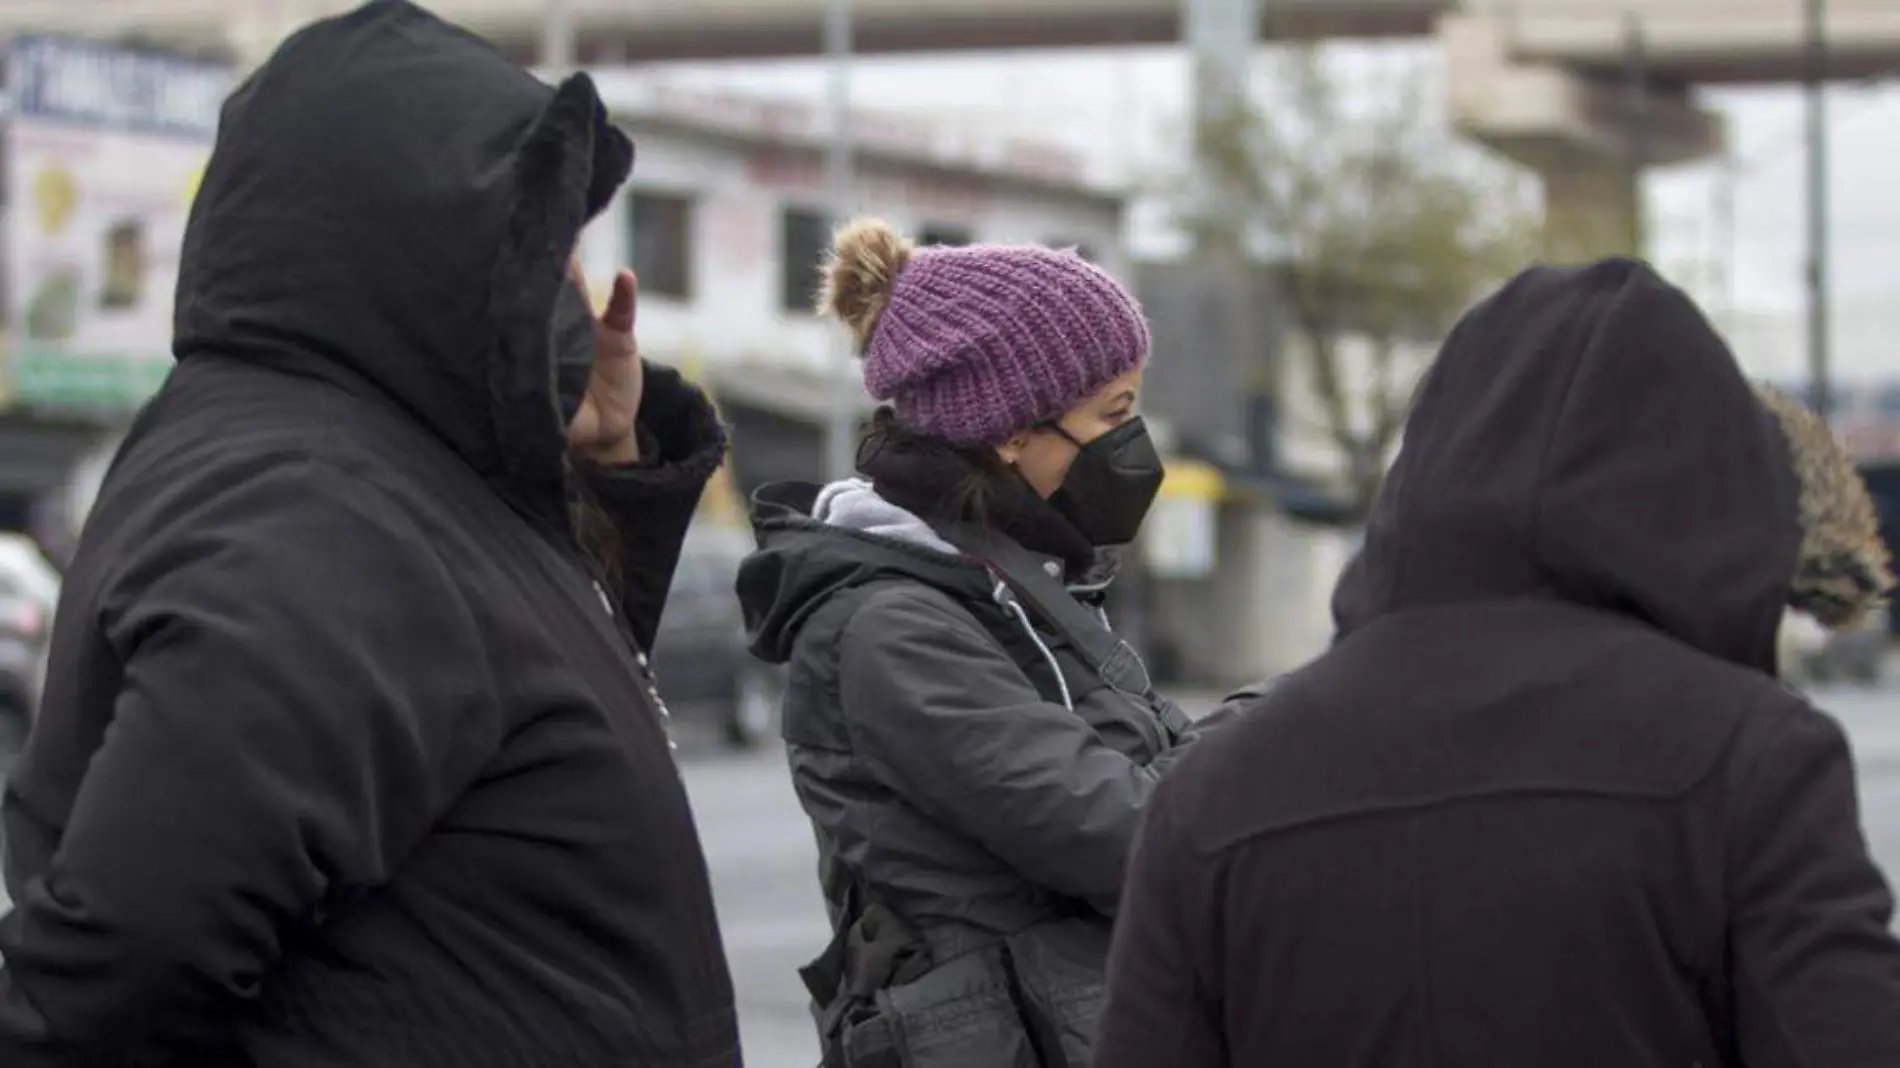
{"points": [[1118, 106]]}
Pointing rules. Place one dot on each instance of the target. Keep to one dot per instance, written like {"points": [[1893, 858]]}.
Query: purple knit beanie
{"points": [[973, 344]]}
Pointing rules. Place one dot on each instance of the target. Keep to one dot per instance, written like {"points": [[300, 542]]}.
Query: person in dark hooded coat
{"points": [[1545, 801], [348, 755]]}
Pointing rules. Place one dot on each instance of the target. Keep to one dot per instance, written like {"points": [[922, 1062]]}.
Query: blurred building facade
{"points": [[103, 148]]}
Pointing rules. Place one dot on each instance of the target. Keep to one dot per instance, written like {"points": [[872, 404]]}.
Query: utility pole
{"points": [[1819, 358], [557, 38], [1728, 178], [1221, 37], [841, 431], [1636, 75]]}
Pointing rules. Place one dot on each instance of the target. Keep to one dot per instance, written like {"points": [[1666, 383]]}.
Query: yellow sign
{"points": [[1192, 480], [191, 185], [55, 196]]}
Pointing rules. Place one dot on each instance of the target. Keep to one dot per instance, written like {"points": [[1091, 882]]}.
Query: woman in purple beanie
{"points": [[973, 745]]}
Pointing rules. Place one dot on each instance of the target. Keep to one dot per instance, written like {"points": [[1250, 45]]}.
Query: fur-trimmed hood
{"points": [[391, 205], [1586, 435], [1844, 570]]}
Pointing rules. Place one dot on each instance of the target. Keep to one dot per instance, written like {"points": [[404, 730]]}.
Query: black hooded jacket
{"points": [[1544, 802], [347, 755]]}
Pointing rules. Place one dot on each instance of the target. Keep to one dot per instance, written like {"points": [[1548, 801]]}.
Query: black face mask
{"points": [[1111, 485], [571, 348]]}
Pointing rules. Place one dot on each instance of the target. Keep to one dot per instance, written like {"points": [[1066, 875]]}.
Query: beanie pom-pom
{"points": [[866, 257]]}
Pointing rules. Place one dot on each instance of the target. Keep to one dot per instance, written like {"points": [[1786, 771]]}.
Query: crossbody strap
{"points": [[1040, 594]]}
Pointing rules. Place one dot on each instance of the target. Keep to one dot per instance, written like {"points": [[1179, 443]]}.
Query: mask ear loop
{"points": [[1055, 426]]}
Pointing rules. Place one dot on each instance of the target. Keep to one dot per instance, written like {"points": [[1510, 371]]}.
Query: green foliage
{"points": [[1380, 227]]}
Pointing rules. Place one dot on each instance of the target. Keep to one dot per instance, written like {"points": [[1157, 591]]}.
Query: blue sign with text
{"points": [[106, 87]]}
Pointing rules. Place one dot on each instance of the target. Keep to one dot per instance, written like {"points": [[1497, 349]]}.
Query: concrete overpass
{"points": [[1541, 81], [1548, 83], [647, 30]]}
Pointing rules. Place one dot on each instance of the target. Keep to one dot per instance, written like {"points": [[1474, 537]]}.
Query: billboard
{"points": [[104, 147]]}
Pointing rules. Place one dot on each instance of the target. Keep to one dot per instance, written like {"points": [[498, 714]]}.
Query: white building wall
{"points": [[733, 314]]}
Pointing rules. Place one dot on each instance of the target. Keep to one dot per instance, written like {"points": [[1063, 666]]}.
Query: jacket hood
{"points": [[391, 205], [1844, 570], [814, 541], [1585, 435]]}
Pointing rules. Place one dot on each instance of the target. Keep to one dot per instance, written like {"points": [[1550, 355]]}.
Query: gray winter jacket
{"points": [[962, 767]]}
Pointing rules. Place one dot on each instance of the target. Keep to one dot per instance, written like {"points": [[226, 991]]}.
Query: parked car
{"points": [[1811, 655], [29, 590], [700, 653]]}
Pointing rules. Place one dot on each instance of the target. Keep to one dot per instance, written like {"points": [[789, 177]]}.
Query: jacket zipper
{"points": [[647, 677], [561, 537]]}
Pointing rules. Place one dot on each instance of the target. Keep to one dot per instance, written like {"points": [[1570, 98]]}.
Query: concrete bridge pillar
{"points": [[1587, 135], [1592, 209]]}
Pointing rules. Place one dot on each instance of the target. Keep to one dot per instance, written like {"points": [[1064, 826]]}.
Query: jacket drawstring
{"points": [[1008, 600]]}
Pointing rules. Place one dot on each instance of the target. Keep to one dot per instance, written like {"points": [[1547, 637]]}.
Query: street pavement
{"points": [[1873, 719]]}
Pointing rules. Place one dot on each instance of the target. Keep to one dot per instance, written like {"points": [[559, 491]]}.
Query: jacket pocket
{"points": [[1058, 970], [960, 1015]]}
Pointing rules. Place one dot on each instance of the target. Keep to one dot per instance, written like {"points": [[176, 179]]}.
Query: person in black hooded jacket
{"points": [[972, 743], [348, 756], [1545, 801]]}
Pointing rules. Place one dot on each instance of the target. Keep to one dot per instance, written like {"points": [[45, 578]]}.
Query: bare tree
{"points": [[1380, 228]]}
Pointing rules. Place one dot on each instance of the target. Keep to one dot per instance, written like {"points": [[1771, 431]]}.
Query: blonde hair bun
{"points": [[866, 257]]}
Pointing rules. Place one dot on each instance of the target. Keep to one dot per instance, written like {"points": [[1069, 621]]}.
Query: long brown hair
{"points": [[594, 529], [971, 496]]}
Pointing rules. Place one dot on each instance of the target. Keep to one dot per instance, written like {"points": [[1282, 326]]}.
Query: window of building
{"points": [[933, 234], [660, 241], [804, 238]]}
